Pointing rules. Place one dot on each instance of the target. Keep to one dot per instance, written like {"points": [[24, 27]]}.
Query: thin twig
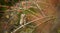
{"points": [[45, 21], [34, 13], [39, 8], [27, 23]]}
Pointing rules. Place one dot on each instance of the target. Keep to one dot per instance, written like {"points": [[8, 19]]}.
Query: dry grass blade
{"points": [[39, 8], [34, 13], [45, 21], [27, 24]]}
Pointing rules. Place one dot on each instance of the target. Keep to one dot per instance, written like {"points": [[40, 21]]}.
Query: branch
{"points": [[28, 23], [39, 8]]}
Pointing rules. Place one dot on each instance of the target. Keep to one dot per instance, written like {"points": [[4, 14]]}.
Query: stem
{"points": [[28, 23]]}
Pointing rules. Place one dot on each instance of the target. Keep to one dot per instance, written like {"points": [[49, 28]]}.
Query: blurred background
{"points": [[29, 16]]}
